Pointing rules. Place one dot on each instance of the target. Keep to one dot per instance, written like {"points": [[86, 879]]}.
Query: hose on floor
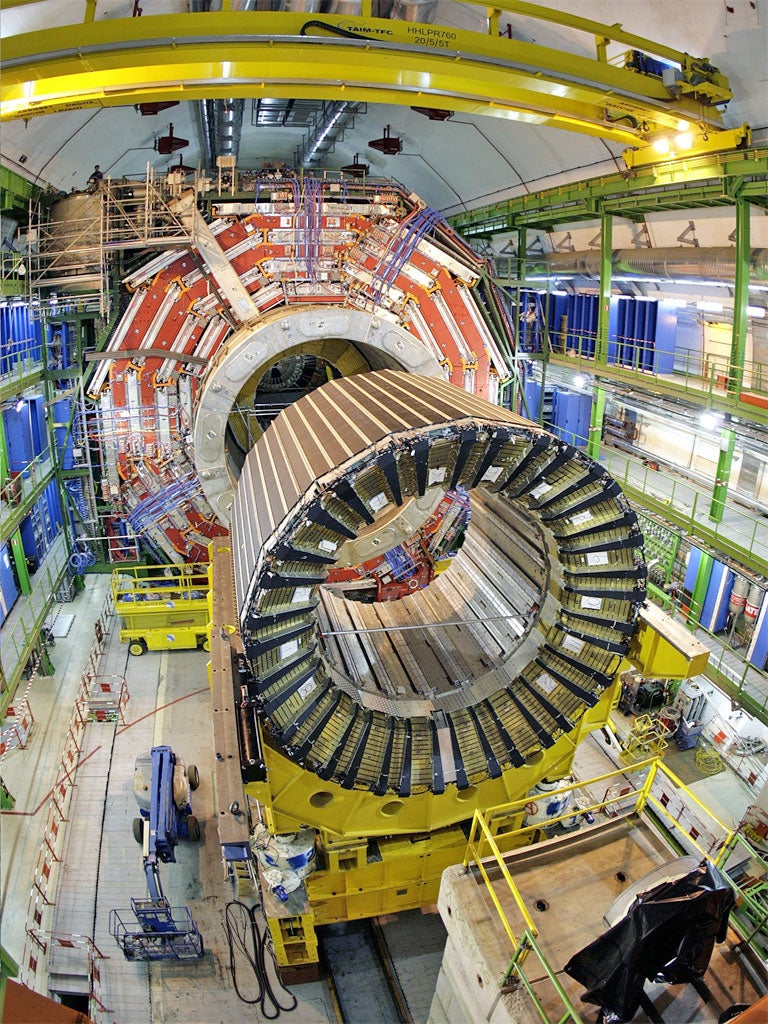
{"points": [[708, 761], [245, 937]]}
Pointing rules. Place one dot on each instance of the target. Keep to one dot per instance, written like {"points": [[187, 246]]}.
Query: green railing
{"points": [[648, 789], [650, 482], [714, 379], [20, 367], [19, 492], [743, 536], [21, 633]]}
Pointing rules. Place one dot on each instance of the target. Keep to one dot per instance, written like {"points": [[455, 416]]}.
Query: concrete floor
{"points": [[169, 703], [101, 870]]}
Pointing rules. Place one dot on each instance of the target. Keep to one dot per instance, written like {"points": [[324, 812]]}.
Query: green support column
{"points": [[740, 299], [596, 423], [700, 590], [724, 463], [20, 561], [606, 252], [519, 401]]}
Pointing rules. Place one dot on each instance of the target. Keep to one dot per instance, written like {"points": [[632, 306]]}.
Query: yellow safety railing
{"points": [[648, 786]]}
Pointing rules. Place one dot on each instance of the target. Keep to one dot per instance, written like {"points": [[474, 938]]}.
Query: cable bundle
{"points": [[245, 936]]}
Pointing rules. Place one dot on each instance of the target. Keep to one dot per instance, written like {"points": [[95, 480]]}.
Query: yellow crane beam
{"points": [[252, 54]]}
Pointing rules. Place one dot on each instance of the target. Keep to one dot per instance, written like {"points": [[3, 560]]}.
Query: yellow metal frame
{"points": [[294, 796], [248, 54], [484, 846]]}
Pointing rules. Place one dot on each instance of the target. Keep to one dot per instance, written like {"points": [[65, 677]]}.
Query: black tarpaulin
{"points": [[668, 934]]}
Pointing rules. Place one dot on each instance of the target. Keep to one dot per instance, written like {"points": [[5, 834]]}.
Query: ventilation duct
{"points": [[220, 121], [227, 127], [717, 263], [321, 139]]}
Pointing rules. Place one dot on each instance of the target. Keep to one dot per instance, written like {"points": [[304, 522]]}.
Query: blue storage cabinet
{"points": [[20, 336], [54, 507], [642, 334], [18, 438], [9, 592], [38, 425], [532, 392], [714, 610], [665, 340], [571, 413], [573, 323], [757, 653]]}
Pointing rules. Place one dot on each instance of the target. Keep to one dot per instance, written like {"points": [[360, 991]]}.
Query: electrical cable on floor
{"points": [[245, 936], [708, 761]]}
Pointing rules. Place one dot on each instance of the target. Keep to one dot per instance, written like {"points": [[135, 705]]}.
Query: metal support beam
{"points": [[604, 307], [675, 185], [724, 463], [699, 590], [596, 423], [114, 62], [740, 299], [20, 561]]}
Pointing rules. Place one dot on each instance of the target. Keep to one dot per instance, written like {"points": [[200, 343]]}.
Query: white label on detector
{"points": [[436, 475], [581, 517], [493, 473], [545, 682], [572, 643], [595, 603], [327, 545], [288, 648], [306, 688], [597, 558], [378, 501], [540, 489], [301, 594]]}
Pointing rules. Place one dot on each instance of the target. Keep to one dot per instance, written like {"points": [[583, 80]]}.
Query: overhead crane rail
{"points": [[159, 58]]}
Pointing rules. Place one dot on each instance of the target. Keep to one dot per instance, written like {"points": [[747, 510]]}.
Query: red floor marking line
{"points": [[46, 798], [149, 714]]}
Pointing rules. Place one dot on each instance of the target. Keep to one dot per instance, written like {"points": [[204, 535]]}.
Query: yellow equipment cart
{"points": [[162, 607]]}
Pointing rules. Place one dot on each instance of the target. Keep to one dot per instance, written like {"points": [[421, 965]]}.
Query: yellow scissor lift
{"points": [[162, 607]]}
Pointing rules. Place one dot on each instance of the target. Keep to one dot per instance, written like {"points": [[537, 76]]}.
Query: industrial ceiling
{"points": [[455, 164]]}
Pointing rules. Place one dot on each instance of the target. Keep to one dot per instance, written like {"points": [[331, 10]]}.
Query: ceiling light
{"points": [[683, 126], [661, 145], [710, 307], [19, 404], [579, 380], [710, 420], [684, 140]]}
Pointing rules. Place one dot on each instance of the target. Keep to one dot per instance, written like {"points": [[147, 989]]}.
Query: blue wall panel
{"points": [[9, 592], [714, 611], [532, 390], [18, 438], [571, 416], [758, 648], [20, 337]]}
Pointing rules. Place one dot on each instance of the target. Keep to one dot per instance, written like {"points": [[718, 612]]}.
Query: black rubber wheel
{"points": [[138, 830], [194, 776], [206, 644], [193, 827], [137, 647]]}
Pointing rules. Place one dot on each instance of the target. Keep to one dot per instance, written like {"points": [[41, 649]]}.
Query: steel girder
{"points": [[158, 58], [674, 185]]}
